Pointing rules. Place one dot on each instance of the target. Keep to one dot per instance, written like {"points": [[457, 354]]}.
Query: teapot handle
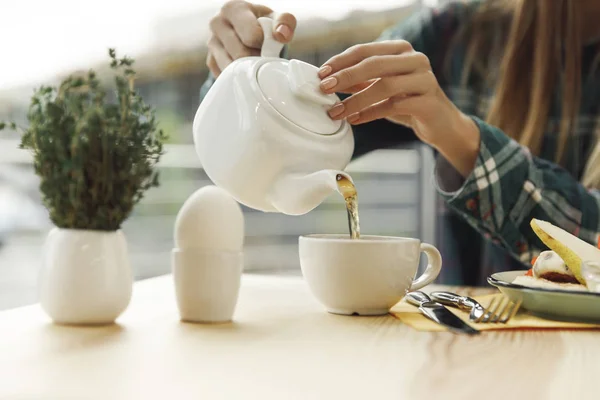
{"points": [[270, 47]]}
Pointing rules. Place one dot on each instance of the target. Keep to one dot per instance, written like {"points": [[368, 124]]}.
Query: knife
{"points": [[439, 313]]}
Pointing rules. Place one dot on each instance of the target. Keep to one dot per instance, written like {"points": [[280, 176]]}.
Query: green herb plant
{"points": [[95, 157]]}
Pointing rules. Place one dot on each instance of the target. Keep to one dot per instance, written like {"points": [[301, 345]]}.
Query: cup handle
{"points": [[434, 265]]}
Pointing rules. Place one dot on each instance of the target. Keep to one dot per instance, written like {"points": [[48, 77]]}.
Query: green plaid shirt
{"points": [[483, 220], [508, 186]]}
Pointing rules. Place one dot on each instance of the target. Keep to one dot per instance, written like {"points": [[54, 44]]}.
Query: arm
{"points": [[489, 179], [429, 31], [368, 137], [508, 187]]}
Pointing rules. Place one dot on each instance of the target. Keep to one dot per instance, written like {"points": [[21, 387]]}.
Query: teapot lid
{"points": [[292, 88]]}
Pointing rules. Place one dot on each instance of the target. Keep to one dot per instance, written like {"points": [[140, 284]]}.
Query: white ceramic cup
{"points": [[366, 276]]}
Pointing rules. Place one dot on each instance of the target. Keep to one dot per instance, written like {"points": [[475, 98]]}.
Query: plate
{"points": [[553, 304]]}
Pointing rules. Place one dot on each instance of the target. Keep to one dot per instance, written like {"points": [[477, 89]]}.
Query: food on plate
{"points": [[560, 267], [550, 266], [550, 272], [570, 248], [531, 282]]}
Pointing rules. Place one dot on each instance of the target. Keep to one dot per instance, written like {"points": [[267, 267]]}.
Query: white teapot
{"points": [[263, 133]]}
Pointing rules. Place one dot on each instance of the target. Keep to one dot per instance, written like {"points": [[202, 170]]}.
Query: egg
{"points": [[210, 219], [547, 262]]}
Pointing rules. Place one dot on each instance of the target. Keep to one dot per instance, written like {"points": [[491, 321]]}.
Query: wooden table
{"points": [[282, 345]]}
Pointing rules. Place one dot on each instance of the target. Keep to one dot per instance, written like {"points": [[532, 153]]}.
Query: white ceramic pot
{"points": [[207, 284], [86, 278]]}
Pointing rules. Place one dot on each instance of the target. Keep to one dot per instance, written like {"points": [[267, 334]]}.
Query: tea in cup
{"points": [[365, 276]]}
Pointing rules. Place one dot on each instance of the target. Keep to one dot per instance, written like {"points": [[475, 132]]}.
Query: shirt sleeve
{"points": [[206, 85], [509, 187]]}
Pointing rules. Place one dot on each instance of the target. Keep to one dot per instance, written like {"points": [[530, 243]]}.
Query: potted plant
{"points": [[95, 152]]}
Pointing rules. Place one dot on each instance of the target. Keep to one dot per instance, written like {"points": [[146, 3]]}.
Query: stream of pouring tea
{"points": [[348, 190]]}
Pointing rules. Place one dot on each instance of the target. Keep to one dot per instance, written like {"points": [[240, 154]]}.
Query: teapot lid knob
{"points": [[304, 82], [270, 46]]}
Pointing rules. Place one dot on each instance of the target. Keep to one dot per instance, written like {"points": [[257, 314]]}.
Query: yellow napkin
{"points": [[411, 316]]}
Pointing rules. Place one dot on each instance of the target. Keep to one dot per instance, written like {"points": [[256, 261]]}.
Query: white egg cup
{"points": [[207, 284], [207, 260]]}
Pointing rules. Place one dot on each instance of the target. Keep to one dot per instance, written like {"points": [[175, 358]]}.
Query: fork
{"points": [[500, 310]]}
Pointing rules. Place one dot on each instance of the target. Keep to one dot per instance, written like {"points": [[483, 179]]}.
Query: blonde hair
{"points": [[526, 68]]}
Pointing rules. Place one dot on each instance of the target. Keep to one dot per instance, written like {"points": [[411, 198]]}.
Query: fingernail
{"points": [[336, 110], [285, 31], [329, 83], [324, 71], [353, 117]]}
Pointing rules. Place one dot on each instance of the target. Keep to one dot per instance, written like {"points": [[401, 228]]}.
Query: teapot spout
{"points": [[297, 194]]}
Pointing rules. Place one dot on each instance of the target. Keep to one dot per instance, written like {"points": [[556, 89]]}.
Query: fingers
{"points": [[376, 111], [230, 40], [356, 54], [236, 33], [359, 87], [242, 18], [403, 86], [260, 10], [284, 27], [377, 92], [218, 53], [401, 108], [212, 65], [405, 120], [375, 67]]}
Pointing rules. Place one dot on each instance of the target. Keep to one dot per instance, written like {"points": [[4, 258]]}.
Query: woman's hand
{"points": [[390, 80], [236, 33]]}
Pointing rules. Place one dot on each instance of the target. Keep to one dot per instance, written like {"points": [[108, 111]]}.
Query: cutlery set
{"points": [[500, 310]]}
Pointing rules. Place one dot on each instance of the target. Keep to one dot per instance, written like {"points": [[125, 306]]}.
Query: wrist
{"points": [[460, 145]]}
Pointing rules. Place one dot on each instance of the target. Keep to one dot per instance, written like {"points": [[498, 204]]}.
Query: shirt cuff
{"points": [[447, 180], [493, 143], [210, 80]]}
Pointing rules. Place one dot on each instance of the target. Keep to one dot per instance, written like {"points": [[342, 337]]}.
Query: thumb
{"points": [[284, 27]]}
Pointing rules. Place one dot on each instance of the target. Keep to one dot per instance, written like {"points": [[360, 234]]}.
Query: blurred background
{"points": [[41, 42]]}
